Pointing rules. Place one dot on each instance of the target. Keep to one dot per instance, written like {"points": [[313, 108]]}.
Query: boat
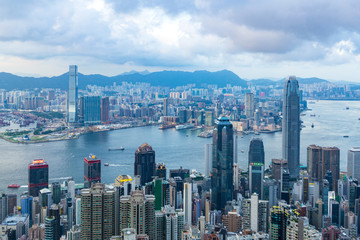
{"points": [[242, 151], [312, 125], [347, 108], [312, 115], [206, 134], [117, 149], [106, 164], [13, 185], [185, 126], [166, 126], [345, 136]]}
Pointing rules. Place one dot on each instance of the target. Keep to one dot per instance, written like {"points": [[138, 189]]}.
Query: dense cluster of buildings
{"points": [[287, 201]]}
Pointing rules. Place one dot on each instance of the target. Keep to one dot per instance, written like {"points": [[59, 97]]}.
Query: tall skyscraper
{"points": [[255, 214], [92, 110], [278, 220], [50, 228], [291, 126], [72, 95], [105, 108], [138, 212], [92, 170], [144, 165], [331, 161], [56, 192], [97, 212], [188, 203], [38, 176], [256, 166], [208, 159], [249, 105], [353, 163], [222, 167], [165, 107], [314, 162]]}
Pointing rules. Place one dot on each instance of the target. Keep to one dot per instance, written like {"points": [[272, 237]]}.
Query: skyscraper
{"points": [[72, 95], [353, 163], [314, 162], [188, 203], [331, 161], [92, 110], [56, 192], [50, 228], [38, 176], [138, 212], [105, 108], [144, 165], [97, 212], [256, 166], [92, 170], [278, 220], [249, 105], [291, 126], [222, 167]]}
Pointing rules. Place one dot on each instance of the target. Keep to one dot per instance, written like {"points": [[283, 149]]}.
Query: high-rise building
{"points": [[72, 95], [38, 176], [256, 166], [105, 109], [3, 206], [222, 167], [353, 163], [161, 170], [331, 161], [249, 105], [181, 172], [188, 203], [92, 170], [97, 212], [208, 159], [232, 221], [144, 165], [169, 223], [255, 214], [165, 107], [278, 220], [92, 110], [291, 126], [56, 192], [314, 162], [138, 212], [50, 228], [54, 212], [12, 203]]}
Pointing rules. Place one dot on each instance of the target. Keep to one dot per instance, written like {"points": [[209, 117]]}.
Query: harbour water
{"points": [[174, 148]]}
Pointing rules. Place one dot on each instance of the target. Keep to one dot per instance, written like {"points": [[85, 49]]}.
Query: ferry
{"points": [[116, 149], [106, 164], [185, 126], [345, 136], [13, 185]]}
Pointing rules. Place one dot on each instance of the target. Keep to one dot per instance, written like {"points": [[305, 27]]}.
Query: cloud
{"points": [[185, 34]]}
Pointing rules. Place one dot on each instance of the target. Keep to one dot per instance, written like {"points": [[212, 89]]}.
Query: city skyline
{"points": [[252, 39]]}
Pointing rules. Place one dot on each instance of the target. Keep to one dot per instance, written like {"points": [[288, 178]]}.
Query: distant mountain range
{"points": [[164, 78]]}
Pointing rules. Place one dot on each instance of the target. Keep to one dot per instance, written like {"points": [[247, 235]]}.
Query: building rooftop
{"points": [[144, 148], [13, 220]]}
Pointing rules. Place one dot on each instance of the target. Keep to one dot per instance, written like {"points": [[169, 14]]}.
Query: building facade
{"points": [[291, 126]]}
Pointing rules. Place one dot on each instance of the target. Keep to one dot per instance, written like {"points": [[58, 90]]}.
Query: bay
{"points": [[174, 148]]}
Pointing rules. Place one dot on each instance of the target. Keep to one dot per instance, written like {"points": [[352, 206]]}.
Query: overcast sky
{"points": [[253, 38]]}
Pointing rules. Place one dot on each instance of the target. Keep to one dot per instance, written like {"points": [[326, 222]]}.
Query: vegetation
{"points": [[49, 115]]}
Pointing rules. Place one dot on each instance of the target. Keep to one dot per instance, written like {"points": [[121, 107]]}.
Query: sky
{"points": [[252, 38]]}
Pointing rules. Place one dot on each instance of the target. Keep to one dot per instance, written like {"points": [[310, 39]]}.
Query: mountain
{"points": [[165, 78]]}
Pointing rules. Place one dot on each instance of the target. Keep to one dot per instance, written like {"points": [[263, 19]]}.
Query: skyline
{"points": [[252, 39]]}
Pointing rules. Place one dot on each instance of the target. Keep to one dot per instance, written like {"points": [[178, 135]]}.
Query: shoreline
{"points": [[70, 138]]}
